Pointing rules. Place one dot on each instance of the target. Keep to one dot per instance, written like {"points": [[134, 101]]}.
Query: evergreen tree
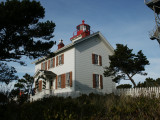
{"points": [[22, 33], [23, 85], [7, 74], [125, 65], [149, 82]]}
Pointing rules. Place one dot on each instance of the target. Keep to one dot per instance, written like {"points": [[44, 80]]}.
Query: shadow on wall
{"points": [[85, 89], [87, 44]]}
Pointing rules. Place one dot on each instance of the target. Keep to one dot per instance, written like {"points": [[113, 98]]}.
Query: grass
{"points": [[92, 107]]}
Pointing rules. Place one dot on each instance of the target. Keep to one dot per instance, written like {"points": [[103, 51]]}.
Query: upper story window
{"points": [[97, 59], [60, 60], [44, 66], [51, 63], [97, 81]]}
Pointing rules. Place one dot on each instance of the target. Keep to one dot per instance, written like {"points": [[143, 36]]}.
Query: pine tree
{"points": [[125, 65]]}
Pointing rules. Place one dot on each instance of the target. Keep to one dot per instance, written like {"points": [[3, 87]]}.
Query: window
{"points": [[81, 27], [97, 81], [67, 79], [44, 66], [97, 59], [59, 82], [60, 60], [51, 63], [88, 28]]}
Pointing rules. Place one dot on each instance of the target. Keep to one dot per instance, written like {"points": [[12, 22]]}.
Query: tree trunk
{"points": [[132, 81]]}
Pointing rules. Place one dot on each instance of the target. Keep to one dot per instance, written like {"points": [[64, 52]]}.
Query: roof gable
{"points": [[65, 48]]}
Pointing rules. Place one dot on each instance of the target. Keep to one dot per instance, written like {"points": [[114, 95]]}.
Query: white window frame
{"points": [[68, 79], [97, 80], [59, 59], [44, 65], [96, 59], [51, 62], [59, 81]]}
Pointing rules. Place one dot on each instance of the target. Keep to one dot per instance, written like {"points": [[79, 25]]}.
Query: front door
{"points": [[51, 85]]}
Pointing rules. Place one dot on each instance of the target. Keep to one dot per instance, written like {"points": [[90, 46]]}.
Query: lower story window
{"points": [[67, 79], [59, 82], [97, 81]]}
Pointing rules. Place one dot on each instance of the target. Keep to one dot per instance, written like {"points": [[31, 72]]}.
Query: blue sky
{"points": [[120, 21]]}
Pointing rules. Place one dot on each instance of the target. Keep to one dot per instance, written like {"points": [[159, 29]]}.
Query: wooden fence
{"points": [[145, 91]]}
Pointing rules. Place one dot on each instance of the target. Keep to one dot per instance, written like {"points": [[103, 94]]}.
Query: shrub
{"points": [[91, 107]]}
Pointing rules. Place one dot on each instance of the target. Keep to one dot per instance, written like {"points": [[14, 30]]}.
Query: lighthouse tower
{"points": [[82, 31]]}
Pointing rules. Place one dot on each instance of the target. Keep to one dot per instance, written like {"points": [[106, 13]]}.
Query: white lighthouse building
{"points": [[76, 68]]}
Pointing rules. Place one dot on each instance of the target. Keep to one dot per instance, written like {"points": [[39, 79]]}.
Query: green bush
{"points": [[92, 107]]}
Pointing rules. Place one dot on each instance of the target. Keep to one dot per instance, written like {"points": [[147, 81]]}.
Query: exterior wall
{"points": [[78, 60], [85, 69], [68, 66]]}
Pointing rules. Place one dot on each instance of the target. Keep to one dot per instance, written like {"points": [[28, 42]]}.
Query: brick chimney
{"points": [[60, 45]]}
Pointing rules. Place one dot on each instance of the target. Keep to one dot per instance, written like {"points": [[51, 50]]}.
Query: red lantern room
{"points": [[83, 30]]}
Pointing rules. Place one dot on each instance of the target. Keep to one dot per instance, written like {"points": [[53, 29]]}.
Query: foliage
{"points": [[25, 84], [7, 73], [124, 86], [92, 107], [21, 32], [149, 82], [125, 65]]}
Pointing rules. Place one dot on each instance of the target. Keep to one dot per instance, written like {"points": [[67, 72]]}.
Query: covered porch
{"points": [[44, 84]]}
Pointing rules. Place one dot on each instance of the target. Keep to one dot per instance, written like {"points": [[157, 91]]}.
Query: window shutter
{"points": [[62, 58], [70, 79], [56, 81], [49, 64], [40, 85], [100, 60], [63, 81], [57, 61], [94, 81], [93, 58], [101, 81], [41, 66], [53, 62], [46, 65]]}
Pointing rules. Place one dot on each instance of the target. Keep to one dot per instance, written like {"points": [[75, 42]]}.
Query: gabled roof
{"points": [[77, 42]]}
